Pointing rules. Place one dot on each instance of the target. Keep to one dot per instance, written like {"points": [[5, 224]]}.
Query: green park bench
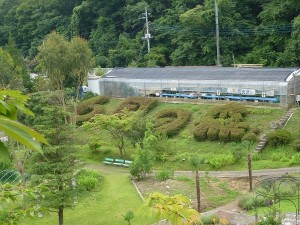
{"points": [[108, 161], [117, 162]]}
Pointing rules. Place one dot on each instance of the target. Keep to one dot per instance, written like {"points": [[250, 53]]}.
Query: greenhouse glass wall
{"points": [[280, 85]]}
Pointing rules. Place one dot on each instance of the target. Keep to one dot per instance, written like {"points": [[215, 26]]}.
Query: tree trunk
{"points": [[61, 215], [249, 159], [198, 189]]}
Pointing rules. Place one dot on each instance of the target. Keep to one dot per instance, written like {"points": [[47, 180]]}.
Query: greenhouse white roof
{"points": [[203, 73]]}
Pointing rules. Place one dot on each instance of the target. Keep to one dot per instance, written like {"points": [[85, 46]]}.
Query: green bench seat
{"points": [[118, 162], [108, 161]]}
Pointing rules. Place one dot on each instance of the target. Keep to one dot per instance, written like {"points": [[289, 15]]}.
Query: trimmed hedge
{"points": [[89, 108], [236, 134], [230, 110], [201, 130], [279, 137], [171, 121], [88, 105], [137, 103], [97, 109], [224, 134]]}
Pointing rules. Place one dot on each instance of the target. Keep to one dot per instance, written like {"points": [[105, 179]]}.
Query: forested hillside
{"points": [[251, 31]]}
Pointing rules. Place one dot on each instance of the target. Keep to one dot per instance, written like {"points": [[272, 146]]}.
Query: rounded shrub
{"points": [[251, 137], [200, 133], [279, 138], [224, 134], [213, 133], [236, 134]]}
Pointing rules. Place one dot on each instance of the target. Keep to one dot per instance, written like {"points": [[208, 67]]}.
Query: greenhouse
{"points": [[274, 85]]}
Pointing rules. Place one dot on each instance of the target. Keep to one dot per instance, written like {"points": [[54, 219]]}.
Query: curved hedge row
{"points": [[137, 103], [89, 108], [171, 121]]}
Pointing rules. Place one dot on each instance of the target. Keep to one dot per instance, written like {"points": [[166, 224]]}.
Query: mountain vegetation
{"points": [[251, 31]]}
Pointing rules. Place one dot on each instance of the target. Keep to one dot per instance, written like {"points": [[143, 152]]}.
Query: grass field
{"points": [[105, 206]]}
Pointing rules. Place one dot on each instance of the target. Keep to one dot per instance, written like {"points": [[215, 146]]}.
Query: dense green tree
{"points": [[251, 31], [56, 167]]}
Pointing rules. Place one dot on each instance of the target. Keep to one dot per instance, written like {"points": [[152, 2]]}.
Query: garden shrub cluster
{"points": [[88, 179], [224, 123], [249, 202], [91, 107], [279, 137], [164, 174], [234, 111], [171, 121], [137, 103]]}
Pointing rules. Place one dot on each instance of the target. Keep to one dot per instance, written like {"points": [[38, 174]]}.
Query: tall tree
{"points": [[57, 166]]}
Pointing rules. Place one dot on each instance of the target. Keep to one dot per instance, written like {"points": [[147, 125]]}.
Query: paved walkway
{"points": [[234, 174]]}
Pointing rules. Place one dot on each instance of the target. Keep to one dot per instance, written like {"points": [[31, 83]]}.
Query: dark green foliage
{"points": [[176, 120], [164, 174], [297, 146], [279, 137], [137, 103], [254, 31]]}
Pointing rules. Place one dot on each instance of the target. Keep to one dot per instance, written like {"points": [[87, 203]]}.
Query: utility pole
{"points": [[217, 33], [147, 34]]}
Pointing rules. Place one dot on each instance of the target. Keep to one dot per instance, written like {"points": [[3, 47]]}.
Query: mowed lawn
{"points": [[104, 207]]}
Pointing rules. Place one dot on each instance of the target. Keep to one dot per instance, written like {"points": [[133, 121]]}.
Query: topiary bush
{"points": [[89, 108], [137, 103], [224, 134], [236, 134], [233, 110], [176, 120], [213, 133], [279, 137], [201, 129], [251, 137]]}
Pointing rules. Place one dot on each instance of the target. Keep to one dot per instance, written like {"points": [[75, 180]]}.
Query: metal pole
{"points": [[217, 33]]}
